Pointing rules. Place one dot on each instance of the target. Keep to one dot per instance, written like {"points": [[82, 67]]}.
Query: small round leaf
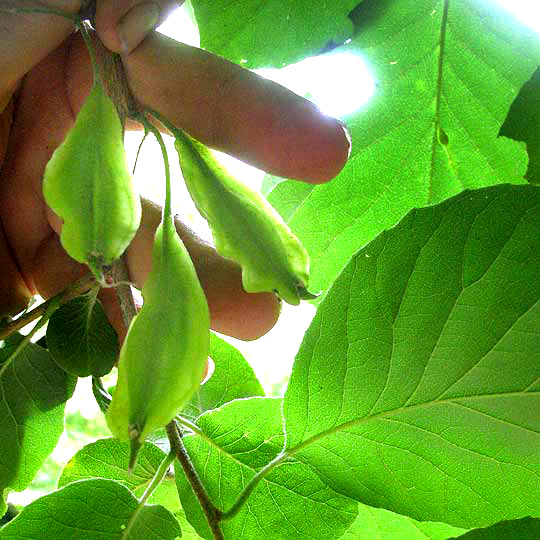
{"points": [[81, 339]]}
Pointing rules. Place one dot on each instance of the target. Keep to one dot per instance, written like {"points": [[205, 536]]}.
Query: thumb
{"points": [[123, 24]]}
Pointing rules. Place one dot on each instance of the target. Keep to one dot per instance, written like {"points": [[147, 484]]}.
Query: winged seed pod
{"points": [[245, 227], [164, 354], [88, 184]]}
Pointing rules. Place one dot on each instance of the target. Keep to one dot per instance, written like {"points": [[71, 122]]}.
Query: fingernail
{"points": [[136, 24]]}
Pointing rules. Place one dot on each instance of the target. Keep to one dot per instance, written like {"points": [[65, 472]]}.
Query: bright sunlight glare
{"points": [[339, 83], [181, 26], [527, 11]]}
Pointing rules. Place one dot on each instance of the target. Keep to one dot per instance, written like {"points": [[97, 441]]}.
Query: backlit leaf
{"points": [[417, 386]]}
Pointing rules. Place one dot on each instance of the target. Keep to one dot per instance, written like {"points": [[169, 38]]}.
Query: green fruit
{"points": [[87, 183], [164, 354], [245, 227]]}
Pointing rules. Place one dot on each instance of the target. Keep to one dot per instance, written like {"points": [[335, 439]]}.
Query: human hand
{"points": [[46, 75]]}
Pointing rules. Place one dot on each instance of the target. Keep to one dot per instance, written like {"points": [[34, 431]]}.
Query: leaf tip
{"points": [[304, 294]]}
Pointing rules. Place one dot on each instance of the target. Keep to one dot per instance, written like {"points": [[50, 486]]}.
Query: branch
{"points": [[120, 279], [108, 70], [51, 308], [74, 290], [212, 513]]}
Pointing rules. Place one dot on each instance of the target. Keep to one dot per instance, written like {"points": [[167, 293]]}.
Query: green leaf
{"points": [[379, 524], [155, 523], [188, 532], [523, 124], [264, 33], [520, 529], [424, 136], [290, 502], [33, 393], [417, 386], [81, 339], [108, 459], [91, 509], [288, 196], [233, 378], [269, 182]]}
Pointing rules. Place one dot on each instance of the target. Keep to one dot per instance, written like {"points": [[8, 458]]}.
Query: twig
{"points": [[109, 71], [158, 477], [74, 290], [163, 120], [91, 51], [212, 513], [148, 126], [120, 275], [51, 308], [146, 132]]}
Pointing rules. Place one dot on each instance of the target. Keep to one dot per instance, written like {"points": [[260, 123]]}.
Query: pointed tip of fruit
{"points": [[304, 294]]}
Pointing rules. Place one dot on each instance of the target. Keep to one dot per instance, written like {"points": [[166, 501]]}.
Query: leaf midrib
{"points": [[418, 406], [437, 120]]}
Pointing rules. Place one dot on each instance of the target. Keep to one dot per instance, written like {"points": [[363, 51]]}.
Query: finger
{"points": [[111, 306], [6, 120], [226, 107], [237, 111], [232, 311], [123, 24], [14, 294], [53, 268], [27, 38]]}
